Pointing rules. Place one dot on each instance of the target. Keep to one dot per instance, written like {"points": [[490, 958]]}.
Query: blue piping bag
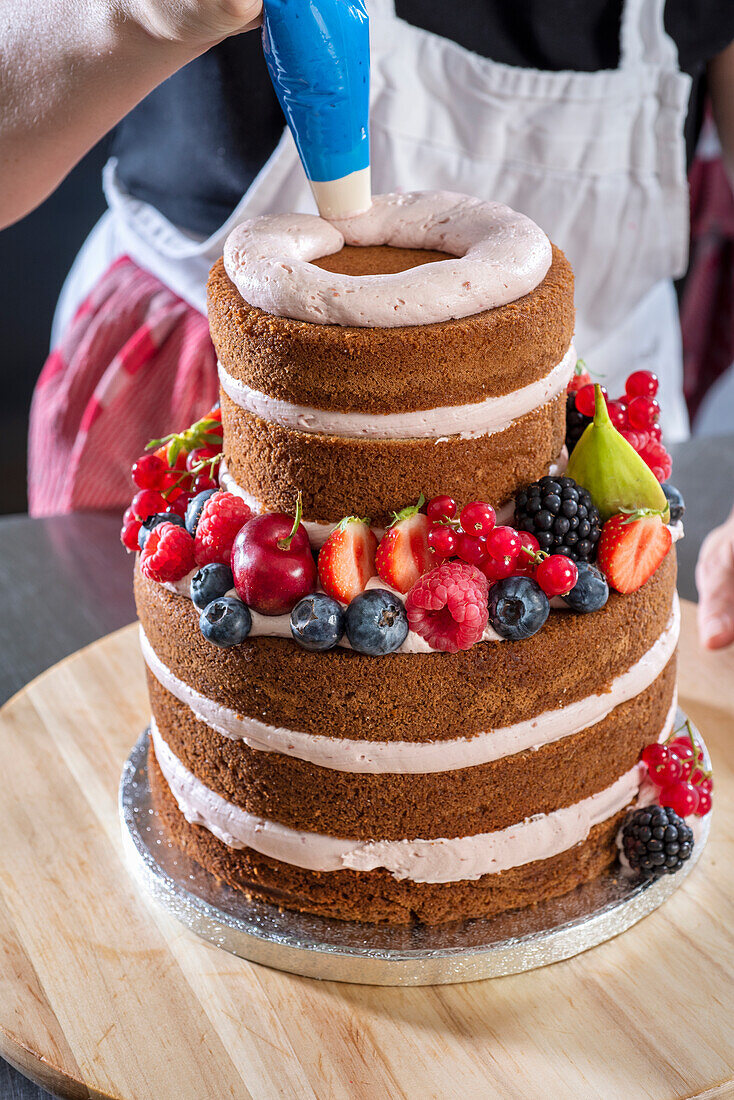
{"points": [[318, 57]]}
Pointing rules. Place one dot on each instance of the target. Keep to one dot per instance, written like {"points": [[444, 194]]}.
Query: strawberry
{"points": [[631, 547], [347, 559], [404, 554], [581, 377]]}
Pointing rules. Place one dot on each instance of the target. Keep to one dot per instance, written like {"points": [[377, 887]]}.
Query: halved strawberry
{"points": [[404, 554], [631, 547], [581, 377], [347, 559]]}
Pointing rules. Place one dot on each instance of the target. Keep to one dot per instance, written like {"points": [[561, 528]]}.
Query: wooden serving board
{"points": [[104, 995]]}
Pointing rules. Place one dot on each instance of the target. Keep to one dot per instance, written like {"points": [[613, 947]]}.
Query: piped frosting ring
{"points": [[500, 256]]}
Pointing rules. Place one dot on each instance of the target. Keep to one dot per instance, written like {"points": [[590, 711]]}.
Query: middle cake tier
{"points": [[363, 420]]}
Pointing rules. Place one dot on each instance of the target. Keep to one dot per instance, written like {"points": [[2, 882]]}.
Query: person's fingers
{"points": [[715, 584], [715, 625]]}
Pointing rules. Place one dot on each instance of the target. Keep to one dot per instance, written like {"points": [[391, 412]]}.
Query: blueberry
{"points": [[518, 607], [225, 622], [317, 622], [675, 501], [376, 622], [152, 521], [591, 590], [211, 582], [193, 511]]}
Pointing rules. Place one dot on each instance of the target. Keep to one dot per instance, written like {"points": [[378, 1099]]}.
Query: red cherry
{"points": [[273, 567], [641, 383], [477, 518], [643, 412], [471, 549], [704, 802], [129, 535], [557, 575], [441, 508], [618, 414], [147, 502], [586, 400], [443, 541], [663, 766], [497, 569], [503, 542], [148, 471], [681, 797]]}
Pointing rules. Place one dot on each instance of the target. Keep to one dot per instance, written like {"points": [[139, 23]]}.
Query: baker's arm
{"points": [[71, 69]]}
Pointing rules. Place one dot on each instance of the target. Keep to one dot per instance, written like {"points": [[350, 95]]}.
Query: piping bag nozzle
{"points": [[318, 57]]}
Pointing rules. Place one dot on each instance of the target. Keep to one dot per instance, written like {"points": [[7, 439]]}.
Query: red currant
{"points": [[656, 432], [442, 507], [706, 784], [698, 776], [681, 797], [503, 542], [643, 412], [704, 802], [200, 454], [557, 575], [641, 383], [663, 766], [586, 400], [129, 535], [497, 569], [525, 564], [471, 549], [684, 750], [201, 483], [443, 541], [147, 502], [618, 414], [148, 471], [477, 518], [180, 504]]}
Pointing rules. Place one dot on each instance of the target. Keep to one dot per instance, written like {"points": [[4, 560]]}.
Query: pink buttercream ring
{"points": [[500, 256]]}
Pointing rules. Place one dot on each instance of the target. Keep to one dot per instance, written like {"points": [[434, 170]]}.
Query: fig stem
{"points": [[285, 544]]}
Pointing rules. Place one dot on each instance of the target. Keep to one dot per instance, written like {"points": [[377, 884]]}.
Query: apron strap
{"points": [[643, 38]]}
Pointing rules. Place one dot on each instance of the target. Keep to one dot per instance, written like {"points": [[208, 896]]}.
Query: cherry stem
{"points": [[285, 544]]}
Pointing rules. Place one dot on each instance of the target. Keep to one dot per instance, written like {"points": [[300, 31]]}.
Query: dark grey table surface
{"points": [[66, 581]]}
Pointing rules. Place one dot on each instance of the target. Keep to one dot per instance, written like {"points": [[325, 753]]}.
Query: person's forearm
{"points": [[721, 89]]}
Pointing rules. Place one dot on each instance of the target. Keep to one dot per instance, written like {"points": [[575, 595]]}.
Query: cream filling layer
{"points": [[417, 758], [443, 859], [481, 418]]}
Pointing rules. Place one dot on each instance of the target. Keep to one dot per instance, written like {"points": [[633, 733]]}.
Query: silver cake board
{"points": [[348, 951]]}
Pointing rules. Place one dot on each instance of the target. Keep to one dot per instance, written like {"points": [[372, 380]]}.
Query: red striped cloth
{"points": [[135, 363]]}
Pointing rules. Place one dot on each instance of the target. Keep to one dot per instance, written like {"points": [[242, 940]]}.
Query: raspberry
{"points": [[168, 554], [223, 515], [448, 606]]}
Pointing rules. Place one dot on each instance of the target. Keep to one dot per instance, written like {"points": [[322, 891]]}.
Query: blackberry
{"points": [[656, 841], [561, 515], [576, 423]]}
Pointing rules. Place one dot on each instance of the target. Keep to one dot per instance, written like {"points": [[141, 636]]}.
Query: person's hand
{"points": [[194, 23], [715, 583]]}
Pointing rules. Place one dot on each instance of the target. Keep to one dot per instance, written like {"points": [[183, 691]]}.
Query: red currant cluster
{"points": [[635, 415], [678, 768], [498, 551], [178, 467]]}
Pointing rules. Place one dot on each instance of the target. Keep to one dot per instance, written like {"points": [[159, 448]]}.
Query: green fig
{"points": [[611, 469]]}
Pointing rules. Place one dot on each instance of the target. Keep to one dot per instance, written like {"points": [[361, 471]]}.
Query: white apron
{"points": [[596, 159]]}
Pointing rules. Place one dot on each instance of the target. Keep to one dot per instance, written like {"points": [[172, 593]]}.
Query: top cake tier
{"points": [[362, 418]]}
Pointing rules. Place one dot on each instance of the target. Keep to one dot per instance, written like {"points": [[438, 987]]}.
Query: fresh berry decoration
{"points": [[376, 622], [318, 622], [561, 516], [618, 414], [518, 608], [643, 412], [631, 547], [656, 841], [443, 541], [590, 592], [222, 516], [503, 542], [681, 797], [471, 549], [272, 562], [679, 768], [347, 559], [581, 377], [556, 575], [526, 561], [496, 569], [148, 471], [154, 521], [194, 509], [576, 423], [225, 622], [585, 398], [448, 606], [477, 519], [441, 508], [130, 532], [168, 553], [147, 503], [675, 501], [663, 766], [404, 554], [641, 383], [211, 582]]}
